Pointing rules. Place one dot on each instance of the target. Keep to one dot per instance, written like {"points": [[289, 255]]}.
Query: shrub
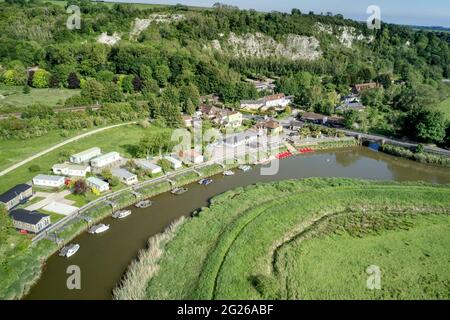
{"points": [[34, 168]]}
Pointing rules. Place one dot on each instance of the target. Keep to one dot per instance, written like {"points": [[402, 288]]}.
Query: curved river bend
{"points": [[103, 259]]}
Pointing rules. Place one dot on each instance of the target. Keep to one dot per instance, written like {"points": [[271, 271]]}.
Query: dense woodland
{"points": [[163, 70]]}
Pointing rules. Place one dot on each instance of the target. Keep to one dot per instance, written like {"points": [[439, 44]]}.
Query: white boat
{"points": [[143, 204], [69, 250], [228, 173], [99, 228], [245, 168], [121, 214]]}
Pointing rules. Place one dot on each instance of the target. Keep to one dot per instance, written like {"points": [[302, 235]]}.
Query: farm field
{"points": [[305, 239], [123, 140], [13, 99]]}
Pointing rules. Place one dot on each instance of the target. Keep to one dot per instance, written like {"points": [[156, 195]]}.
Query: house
{"points": [[174, 163], [105, 160], [48, 181], [360, 87], [356, 106], [86, 155], [125, 176], [71, 170], [31, 221], [210, 98], [192, 156], [208, 112], [252, 104], [295, 125], [148, 165], [314, 117], [17, 195], [276, 100], [336, 122], [229, 118], [240, 139], [270, 127], [187, 120], [98, 184], [264, 85]]}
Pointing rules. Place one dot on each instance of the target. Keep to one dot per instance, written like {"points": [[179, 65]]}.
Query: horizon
{"points": [[417, 13]]}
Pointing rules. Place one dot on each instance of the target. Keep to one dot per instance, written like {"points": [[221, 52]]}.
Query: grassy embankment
{"points": [[305, 239], [444, 106], [422, 157], [14, 100]]}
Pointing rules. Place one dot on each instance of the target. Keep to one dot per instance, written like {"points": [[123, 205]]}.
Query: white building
{"points": [[148, 165], [192, 156], [125, 176], [277, 100], [240, 139], [106, 159], [98, 184], [174, 163], [43, 180], [86, 155], [72, 170], [252, 104]]}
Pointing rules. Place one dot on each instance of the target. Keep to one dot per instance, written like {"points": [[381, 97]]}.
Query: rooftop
{"points": [[31, 217], [70, 166], [122, 173], [88, 151], [48, 177], [14, 192], [97, 181], [106, 155]]}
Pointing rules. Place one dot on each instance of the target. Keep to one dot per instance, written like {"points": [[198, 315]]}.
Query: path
{"points": [[39, 154]]}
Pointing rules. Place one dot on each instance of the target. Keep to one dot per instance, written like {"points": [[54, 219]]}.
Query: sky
{"points": [[411, 12]]}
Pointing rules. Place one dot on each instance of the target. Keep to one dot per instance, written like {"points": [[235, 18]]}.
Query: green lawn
{"points": [[15, 150], [244, 246], [13, 99], [119, 139], [444, 106]]}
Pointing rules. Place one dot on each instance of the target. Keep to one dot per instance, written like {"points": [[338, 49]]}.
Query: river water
{"points": [[103, 259]]}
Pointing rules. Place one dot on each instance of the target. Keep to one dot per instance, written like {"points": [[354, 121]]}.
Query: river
{"points": [[103, 259]]}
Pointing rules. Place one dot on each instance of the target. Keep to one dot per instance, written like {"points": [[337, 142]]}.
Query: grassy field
{"points": [[249, 244], [119, 139], [444, 106], [15, 100]]}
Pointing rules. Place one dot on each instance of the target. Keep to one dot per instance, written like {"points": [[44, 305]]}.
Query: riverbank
{"points": [[213, 255], [23, 268], [419, 156]]}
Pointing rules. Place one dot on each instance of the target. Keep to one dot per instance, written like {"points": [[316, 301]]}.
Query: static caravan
{"points": [[86, 155], [15, 196], [105, 160], [149, 166], [174, 163], [125, 176], [48, 181], [71, 170], [32, 221], [98, 184]]}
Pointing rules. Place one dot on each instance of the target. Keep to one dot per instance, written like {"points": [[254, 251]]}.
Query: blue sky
{"points": [[414, 12]]}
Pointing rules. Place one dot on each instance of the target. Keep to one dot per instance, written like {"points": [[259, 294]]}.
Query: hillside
{"points": [[125, 52]]}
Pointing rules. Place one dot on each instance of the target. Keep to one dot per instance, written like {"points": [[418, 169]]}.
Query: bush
{"points": [[26, 89], [34, 168]]}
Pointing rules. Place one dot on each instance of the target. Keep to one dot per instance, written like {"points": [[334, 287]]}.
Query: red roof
{"points": [[275, 97]]}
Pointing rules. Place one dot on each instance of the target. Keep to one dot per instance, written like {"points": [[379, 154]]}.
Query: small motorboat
{"points": [[121, 214], [143, 204], [205, 182], [228, 173], [69, 250], [245, 168], [99, 228], [178, 191]]}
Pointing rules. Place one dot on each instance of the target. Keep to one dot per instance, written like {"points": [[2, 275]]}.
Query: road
{"points": [[396, 142], [59, 145]]}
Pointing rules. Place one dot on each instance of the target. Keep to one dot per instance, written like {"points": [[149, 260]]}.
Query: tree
{"points": [[425, 125], [162, 74], [73, 82], [34, 168], [93, 90], [137, 83], [80, 187], [106, 174], [114, 182], [41, 78]]}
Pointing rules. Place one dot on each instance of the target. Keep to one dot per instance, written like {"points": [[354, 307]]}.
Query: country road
{"points": [[56, 146]]}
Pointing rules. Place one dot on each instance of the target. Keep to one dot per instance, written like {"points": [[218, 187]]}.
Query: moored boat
{"points": [[121, 214], [245, 168], [205, 182], [143, 204], [228, 173], [178, 191], [99, 228], [69, 250]]}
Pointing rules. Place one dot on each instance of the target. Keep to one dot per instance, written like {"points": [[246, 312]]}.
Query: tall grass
{"points": [[134, 284]]}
